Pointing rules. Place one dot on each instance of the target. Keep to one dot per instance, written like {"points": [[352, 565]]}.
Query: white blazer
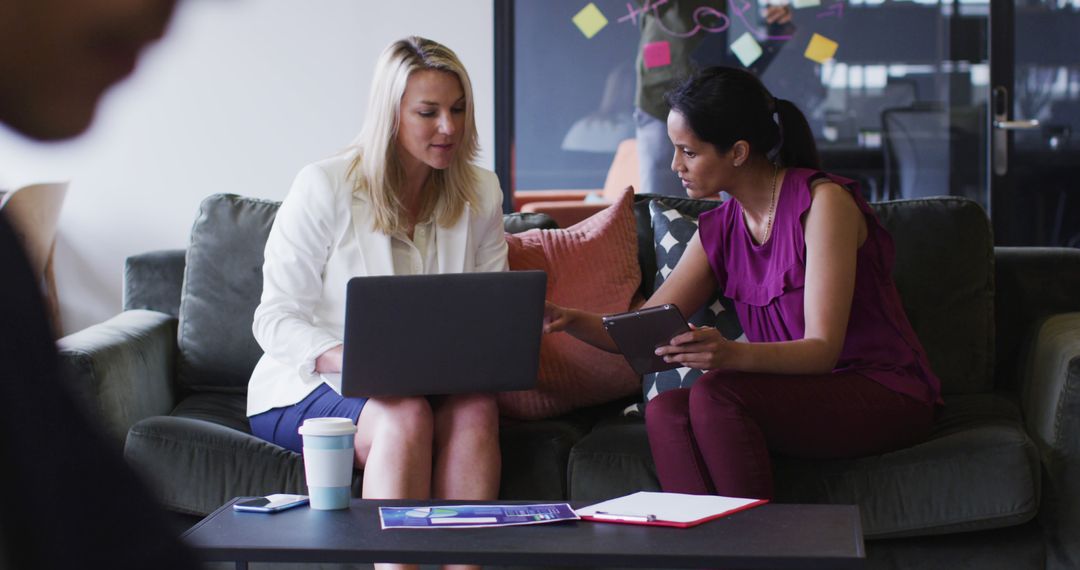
{"points": [[322, 237]]}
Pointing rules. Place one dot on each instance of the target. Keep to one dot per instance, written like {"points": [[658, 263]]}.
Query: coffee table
{"points": [[769, 536]]}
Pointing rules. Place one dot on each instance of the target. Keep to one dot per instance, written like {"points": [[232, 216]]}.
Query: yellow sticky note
{"points": [[821, 48], [590, 20], [746, 49], [806, 3]]}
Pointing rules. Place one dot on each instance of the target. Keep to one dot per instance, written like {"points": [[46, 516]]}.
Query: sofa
{"points": [[996, 486]]}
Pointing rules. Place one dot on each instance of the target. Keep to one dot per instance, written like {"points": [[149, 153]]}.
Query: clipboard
{"points": [[666, 509]]}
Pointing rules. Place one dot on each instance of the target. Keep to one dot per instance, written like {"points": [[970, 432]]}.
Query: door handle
{"points": [[1019, 125], [999, 138]]}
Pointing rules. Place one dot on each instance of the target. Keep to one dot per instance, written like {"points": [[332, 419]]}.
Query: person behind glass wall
{"points": [[71, 501], [833, 367], [612, 122], [404, 199], [695, 30]]}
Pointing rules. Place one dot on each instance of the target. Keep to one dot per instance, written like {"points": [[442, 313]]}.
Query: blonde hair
{"points": [[376, 170]]}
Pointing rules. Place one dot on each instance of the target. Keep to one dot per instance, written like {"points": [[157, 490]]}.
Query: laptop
{"points": [[411, 335]]}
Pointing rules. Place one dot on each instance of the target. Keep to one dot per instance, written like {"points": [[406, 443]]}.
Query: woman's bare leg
{"points": [[394, 447], [467, 459]]}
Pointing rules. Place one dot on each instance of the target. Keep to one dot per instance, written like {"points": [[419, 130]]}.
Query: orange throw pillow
{"points": [[591, 265]]}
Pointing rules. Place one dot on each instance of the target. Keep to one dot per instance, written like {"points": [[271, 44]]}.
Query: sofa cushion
{"points": [[591, 265], [535, 452], [153, 281], [207, 439], [672, 231], [643, 221], [944, 272], [534, 455], [612, 461], [222, 286], [978, 470], [223, 409]]}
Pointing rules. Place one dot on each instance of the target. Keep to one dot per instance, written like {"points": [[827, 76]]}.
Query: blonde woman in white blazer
{"points": [[404, 200]]}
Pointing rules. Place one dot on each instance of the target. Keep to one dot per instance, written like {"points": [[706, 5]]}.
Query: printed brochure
{"points": [[474, 516]]}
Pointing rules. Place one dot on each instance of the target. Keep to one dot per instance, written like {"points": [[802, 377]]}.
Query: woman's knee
{"points": [[407, 418], [668, 408], [470, 411]]}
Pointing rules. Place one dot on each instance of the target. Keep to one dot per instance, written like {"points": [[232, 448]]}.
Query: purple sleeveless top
{"points": [[766, 284]]}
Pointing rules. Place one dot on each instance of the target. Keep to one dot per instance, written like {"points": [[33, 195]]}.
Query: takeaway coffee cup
{"points": [[328, 461]]}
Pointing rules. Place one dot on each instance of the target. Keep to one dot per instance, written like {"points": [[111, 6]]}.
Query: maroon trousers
{"points": [[715, 437]]}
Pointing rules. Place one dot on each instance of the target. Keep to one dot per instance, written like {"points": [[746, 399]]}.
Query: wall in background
{"points": [[237, 98]]}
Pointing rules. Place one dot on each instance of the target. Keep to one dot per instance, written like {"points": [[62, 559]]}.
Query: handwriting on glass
{"points": [[835, 10], [706, 19]]}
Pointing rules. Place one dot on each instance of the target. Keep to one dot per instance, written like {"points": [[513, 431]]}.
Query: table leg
{"points": [[241, 565]]}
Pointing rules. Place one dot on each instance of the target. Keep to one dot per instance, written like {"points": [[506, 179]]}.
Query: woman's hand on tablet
{"points": [[703, 348]]}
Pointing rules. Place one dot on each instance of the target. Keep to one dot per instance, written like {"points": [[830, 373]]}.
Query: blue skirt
{"points": [[281, 425]]}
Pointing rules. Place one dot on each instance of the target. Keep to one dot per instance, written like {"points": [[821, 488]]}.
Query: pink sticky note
{"points": [[656, 54]]}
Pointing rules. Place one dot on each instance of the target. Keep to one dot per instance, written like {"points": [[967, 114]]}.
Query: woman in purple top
{"points": [[833, 368]]}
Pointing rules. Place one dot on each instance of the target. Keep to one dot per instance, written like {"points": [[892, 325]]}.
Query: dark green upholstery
{"points": [[535, 453], [523, 221], [936, 487], [192, 463], [222, 286], [996, 486], [206, 436], [940, 486], [123, 368], [945, 274], [154, 280]]}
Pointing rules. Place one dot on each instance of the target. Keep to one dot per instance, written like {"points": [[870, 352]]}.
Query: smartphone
{"points": [[639, 333], [270, 503]]}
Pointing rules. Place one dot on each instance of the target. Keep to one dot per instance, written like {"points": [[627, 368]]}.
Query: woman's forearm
{"points": [[588, 327], [804, 356]]}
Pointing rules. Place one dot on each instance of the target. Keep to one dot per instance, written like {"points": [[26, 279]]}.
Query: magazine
{"points": [[474, 516]]}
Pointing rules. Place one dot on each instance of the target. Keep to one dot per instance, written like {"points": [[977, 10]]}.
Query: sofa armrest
{"points": [[123, 368], [518, 222], [153, 281], [1032, 283], [1051, 401]]}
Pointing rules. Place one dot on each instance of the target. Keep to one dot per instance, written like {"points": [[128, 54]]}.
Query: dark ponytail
{"points": [[724, 105], [797, 148]]}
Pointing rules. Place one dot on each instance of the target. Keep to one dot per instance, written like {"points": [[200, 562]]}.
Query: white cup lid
{"points": [[327, 426]]}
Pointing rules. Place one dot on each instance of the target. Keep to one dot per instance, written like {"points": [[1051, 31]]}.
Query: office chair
{"points": [[33, 212], [916, 143]]}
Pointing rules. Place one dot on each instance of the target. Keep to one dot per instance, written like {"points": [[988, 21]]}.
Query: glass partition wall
{"points": [[1040, 170], [900, 99]]}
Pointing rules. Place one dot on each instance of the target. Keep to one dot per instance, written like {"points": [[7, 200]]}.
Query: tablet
{"points": [[639, 333]]}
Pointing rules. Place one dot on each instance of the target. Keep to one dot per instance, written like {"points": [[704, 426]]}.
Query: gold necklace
{"points": [[772, 204]]}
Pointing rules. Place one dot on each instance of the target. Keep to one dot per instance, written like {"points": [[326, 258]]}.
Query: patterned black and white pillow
{"points": [[672, 230]]}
